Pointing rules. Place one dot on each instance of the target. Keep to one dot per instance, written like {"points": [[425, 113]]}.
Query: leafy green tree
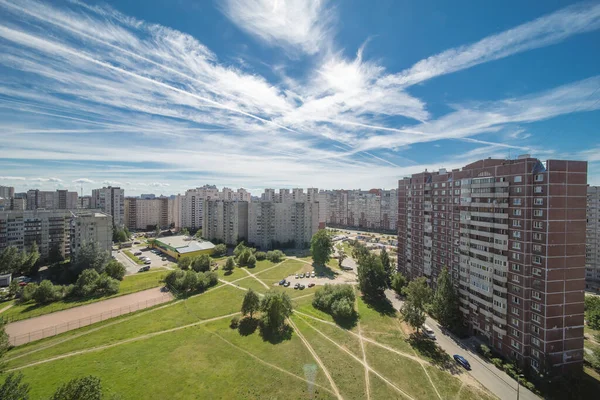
{"points": [[185, 263], [251, 261], [4, 342], [219, 250], [198, 234], [251, 303], [55, 254], [398, 283], [115, 270], [239, 249], [388, 265], [11, 260], [275, 256], [190, 280], [86, 388], [418, 295], [184, 232], [445, 301], [86, 283], [372, 278], [89, 255], [321, 247], [28, 292], [244, 257], [359, 251], [341, 257], [106, 285], [201, 263], [229, 264], [14, 388], [45, 293], [173, 276], [276, 307], [593, 318], [30, 264], [260, 255], [342, 308]]}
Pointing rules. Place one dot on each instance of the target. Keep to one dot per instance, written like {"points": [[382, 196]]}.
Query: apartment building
{"points": [[53, 230], [192, 203], [174, 209], [225, 221], [51, 200], [287, 223], [110, 200], [7, 192], [592, 247], [84, 202], [512, 232], [146, 214], [375, 209]]}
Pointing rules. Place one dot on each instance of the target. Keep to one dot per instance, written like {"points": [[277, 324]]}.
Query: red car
{"points": [[311, 284]]}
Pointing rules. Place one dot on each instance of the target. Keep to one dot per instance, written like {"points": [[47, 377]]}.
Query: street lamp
{"points": [[519, 383]]}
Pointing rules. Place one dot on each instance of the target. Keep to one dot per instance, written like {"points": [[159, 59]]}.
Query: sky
{"points": [[159, 96]]}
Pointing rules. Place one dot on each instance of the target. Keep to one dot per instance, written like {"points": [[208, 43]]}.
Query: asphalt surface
{"points": [[495, 380]]}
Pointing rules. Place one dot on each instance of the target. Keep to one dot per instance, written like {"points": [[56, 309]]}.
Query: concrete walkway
{"points": [[27, 330]]}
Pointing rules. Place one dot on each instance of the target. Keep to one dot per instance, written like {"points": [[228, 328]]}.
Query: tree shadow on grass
{"points": [[324, 270], [228, 273], [247, 326], [380, 303], [275, 336], [347, 323], [430, 350]]}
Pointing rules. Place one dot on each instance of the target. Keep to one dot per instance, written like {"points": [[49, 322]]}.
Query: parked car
{"points": [[297, 276], [312, 274], [286, 284], [147, 262], [462, 361], [296, 286], [311, 284], [302, 275], [301, 287], [145, 268], [427, 331], [282, 282], [137, 253], [164, 258]]}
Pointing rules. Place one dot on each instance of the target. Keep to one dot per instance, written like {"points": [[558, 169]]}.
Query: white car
{"points": [[427, 331], [296, 276], [312, 274]]}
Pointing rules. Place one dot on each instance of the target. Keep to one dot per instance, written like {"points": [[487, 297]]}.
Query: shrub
{"points": [[107, 285], [45, 293], [86, 283], [244, 257], [27, 293], [497, 362], [219, 250], [115, 270], [201, 263], [485, 351], [173, 276], [275, 256], [235, 322], [338, 300], [185, 262], [260, 255], [251, 261], [186, 281], [342, 308], [190, 280], [529, 386]]}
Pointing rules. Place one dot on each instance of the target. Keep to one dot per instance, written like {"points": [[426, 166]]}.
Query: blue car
{"points": [[282, 282], [461, 360]]}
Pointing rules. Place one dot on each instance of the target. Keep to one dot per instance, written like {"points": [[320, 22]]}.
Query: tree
{"points": [[28, 292], [115, 270], [106, 285], [372, 278], [30, 260], [89, 255], [198, 234], [229, 265], [86, 388], [219, 250], [55, 253], [244, 257], [593, 318], [418, 295], [445, 301], [260, 255], [398, 283], [251, 261], [11, 260], [45, 293], [251, 303], [86, 283], [185, 262], [276, 307], [13, 388], [321, 247], [388, 265], [190, 281], [201, 263], [239, 249], [359, 251], [157, 231], [341, 257], [185, 232], [275, 256]]}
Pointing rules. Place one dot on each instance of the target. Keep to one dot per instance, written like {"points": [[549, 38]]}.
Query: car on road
{"points": [[144, 269], [462, 361], [147, 262], [311, 284], [282, 282], [428, 332], [296, 286], [286, 284], [137, 253]]}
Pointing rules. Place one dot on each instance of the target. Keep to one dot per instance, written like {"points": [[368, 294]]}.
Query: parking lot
{"points": [[156, 260], [338, 279]]}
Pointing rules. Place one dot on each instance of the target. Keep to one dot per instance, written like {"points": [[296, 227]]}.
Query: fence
{"points": [[85, 321]]}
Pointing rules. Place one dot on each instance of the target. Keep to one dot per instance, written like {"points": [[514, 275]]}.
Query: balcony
{"points": [[464, 310], [499, 330], [485, 313], [499, 320]]}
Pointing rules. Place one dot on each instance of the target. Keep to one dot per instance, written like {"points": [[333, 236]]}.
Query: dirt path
{"points": [[130, 340], [254, 276], [6, 308], [76, 317], [364, 354], [317, 359]]}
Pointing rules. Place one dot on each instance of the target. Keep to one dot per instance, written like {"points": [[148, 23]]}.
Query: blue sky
{"points": [[161, 96]]}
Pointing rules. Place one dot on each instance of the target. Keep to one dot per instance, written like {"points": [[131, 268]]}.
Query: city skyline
{"points": [[170, 97]]}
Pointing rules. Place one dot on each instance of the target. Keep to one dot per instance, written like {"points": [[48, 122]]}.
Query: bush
{"points": [[342, 308], [275, 256], [187, 281], [235, 322], [115, 270], [219, 250], [485, 351], [45, 293], [260, 255], [201, 263], [244, 257], [27, 293], [185, 262], [86, 283], [497, 362], [251, 261], [107, 285], [338, 300], [530, 386]]}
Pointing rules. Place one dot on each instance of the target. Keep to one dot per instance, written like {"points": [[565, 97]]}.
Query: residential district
{"points": [[520, 238]]}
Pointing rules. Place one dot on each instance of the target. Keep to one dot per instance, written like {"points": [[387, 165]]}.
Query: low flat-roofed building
{"points": [[182, 246]]}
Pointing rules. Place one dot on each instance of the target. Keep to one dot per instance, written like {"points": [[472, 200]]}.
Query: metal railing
{"points": [[85, 321]]}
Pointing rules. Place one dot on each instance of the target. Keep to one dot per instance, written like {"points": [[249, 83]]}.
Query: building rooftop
{"points": [[185, 244]]}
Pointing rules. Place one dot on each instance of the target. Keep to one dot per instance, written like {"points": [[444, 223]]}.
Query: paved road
{"points": [[488, 375]]}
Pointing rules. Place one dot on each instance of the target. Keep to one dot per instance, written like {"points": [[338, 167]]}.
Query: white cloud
{"points": [[46, 180], [111, 183], [299, 24], [83, 180], [544, 31], [12, 178]]}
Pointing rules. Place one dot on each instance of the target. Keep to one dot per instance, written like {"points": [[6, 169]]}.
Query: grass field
{"points": [[186, 349], [129, 284], [132, 257]]}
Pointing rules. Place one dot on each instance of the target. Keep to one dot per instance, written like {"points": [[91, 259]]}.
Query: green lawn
{"points": [[133, 258], [130, 284]]}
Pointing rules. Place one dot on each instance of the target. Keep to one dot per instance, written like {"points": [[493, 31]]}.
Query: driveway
{"points": [[487, 374]]}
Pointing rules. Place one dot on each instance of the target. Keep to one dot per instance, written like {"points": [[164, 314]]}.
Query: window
{"points": [[514, 321], [517, 212], [515, 344], [535, 329], [535, 353], [516, 234], [516, 223], [535, 341], [536, 271], [517, 201], [539, 178], [536, 307], [515, 332], [518, 179], [535, 318], [518, 189], [535, 364], [537, 247], [516, 279], [514, 310], [537, 236], [516, 267], [516, 300], [516, 245], [538, 225], [538, 201], [538, 213], [516, 256], [537, 259], [538, 189], [536, 295]]}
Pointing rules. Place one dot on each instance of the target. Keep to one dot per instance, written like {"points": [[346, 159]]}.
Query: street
{"points": [[495, 380]]}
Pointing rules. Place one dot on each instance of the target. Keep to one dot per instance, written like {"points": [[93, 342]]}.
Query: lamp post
{"points": [[519, 384]]}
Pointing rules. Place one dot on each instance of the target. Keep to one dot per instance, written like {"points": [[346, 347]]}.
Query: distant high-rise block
{"points": [[592, 247]]}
